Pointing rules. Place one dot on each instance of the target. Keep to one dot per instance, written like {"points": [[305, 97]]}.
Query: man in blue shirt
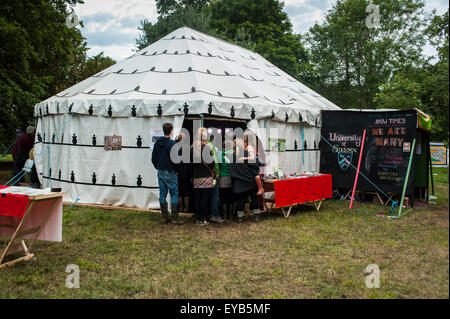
{"points": [[167, 176]]}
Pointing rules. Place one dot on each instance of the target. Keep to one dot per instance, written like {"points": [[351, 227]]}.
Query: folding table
{"points": [[32, 217], [299, 190]]}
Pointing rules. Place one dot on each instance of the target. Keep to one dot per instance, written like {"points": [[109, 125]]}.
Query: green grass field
{"points": [[123, 254], [6, 158]]}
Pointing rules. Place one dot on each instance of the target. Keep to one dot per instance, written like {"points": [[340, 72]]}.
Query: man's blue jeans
{"points": [[168, 182], [215, 201]]}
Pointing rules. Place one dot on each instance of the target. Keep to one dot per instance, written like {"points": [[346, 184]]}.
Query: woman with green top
{"points": [[225, 184]]}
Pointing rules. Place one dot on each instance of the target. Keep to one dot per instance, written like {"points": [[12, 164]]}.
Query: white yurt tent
{"points": [[185, 73]]}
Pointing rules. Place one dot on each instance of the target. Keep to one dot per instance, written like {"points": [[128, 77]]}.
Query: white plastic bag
{"points": [[28, 166]]}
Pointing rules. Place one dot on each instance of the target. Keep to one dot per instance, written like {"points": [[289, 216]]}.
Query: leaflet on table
{"points": [[26, 191]]}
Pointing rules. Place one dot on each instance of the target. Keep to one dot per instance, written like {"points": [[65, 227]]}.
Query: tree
{"points": [[266, 29], [436, 83], [258, 25], [168, 7], [39, 56], [172, 18], [402, 92], [426, 86], [352, 60], [90, 66], [36, 49], [437, 32]]}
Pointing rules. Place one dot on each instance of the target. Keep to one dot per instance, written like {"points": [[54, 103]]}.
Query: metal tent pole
{"points": [[411, 157]]}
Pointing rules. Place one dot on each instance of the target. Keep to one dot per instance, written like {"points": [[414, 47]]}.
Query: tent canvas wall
{"points": [[183, 74]]}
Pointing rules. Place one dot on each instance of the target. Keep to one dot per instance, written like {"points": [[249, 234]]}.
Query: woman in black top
{"points": [[184, 177], [243, 173], [203, 178]]}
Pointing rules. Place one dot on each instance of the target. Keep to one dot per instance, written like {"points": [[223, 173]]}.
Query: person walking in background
{"points": [[203, 176], [20, 153], [167, 176], [225, 182]]}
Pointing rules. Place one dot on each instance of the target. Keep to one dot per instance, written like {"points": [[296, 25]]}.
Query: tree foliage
{"points": [[400, 91], [259, 25], [351, 60], [39, 56], [169, 7], [436, 97], [351, 64], [426, 86], [266, 26], [437, 32], [172, 17], [344, 59]]}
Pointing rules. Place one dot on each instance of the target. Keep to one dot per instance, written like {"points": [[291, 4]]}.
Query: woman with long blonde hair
{"points": [[204, 179], [244, 170]]}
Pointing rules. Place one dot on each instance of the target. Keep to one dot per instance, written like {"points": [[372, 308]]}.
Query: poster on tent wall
{"points": [[277, 144], [155, 134], [439, 155], [113, 143], [386, 153]]}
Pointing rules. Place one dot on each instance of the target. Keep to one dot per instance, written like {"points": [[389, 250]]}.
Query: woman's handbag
{"points": [[205, 182], [225, 182]]}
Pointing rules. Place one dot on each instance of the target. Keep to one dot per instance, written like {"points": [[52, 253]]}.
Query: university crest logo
{"points": [[344, 160]]}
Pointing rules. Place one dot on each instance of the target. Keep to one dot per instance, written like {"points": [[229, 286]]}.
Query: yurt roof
{"points": [[192, 73]]}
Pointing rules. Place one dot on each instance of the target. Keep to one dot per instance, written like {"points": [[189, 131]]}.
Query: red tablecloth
{"points": [[12, 204], [301, 190]]}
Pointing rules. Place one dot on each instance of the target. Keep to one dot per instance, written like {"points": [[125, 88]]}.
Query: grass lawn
{"points": [[123, 254], [6, 158]]}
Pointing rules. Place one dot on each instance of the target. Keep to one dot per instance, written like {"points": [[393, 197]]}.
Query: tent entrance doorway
{"points": [[214, 125]]}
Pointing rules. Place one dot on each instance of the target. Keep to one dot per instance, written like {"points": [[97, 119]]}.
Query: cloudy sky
{"points": [[112, 25]]}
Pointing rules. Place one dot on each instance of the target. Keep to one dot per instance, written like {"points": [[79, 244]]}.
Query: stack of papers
{"points": [[26, 191]]}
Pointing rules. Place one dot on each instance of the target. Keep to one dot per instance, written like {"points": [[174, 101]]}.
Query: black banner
{"points": [[387, 148]]}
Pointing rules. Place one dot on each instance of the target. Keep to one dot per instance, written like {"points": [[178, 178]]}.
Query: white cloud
{"points": [[118, 8], [301, 23], [304, 13], [120, 51], [112, 25], [441, 6], [295, 3]]}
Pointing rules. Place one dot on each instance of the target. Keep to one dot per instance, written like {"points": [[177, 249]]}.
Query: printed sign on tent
{"points": [[113, 143], [438, 154], [277, 144], [154, 136], [386, 153], [406, 147]]}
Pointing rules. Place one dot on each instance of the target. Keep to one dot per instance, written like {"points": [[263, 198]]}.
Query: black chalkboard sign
{"points": [[387, 148]]}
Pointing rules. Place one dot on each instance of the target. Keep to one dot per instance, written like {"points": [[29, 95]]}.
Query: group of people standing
{"points": [[208, 178]]}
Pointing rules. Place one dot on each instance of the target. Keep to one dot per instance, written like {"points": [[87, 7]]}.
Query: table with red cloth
{"points": [[289, 192], [28, 214]]}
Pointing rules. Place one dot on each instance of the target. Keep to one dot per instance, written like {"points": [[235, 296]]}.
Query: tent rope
{"points": [[76, 200], [7, 150]]}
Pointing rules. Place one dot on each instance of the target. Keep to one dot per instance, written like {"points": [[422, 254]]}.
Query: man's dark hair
{"points": [[167, 128]]}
